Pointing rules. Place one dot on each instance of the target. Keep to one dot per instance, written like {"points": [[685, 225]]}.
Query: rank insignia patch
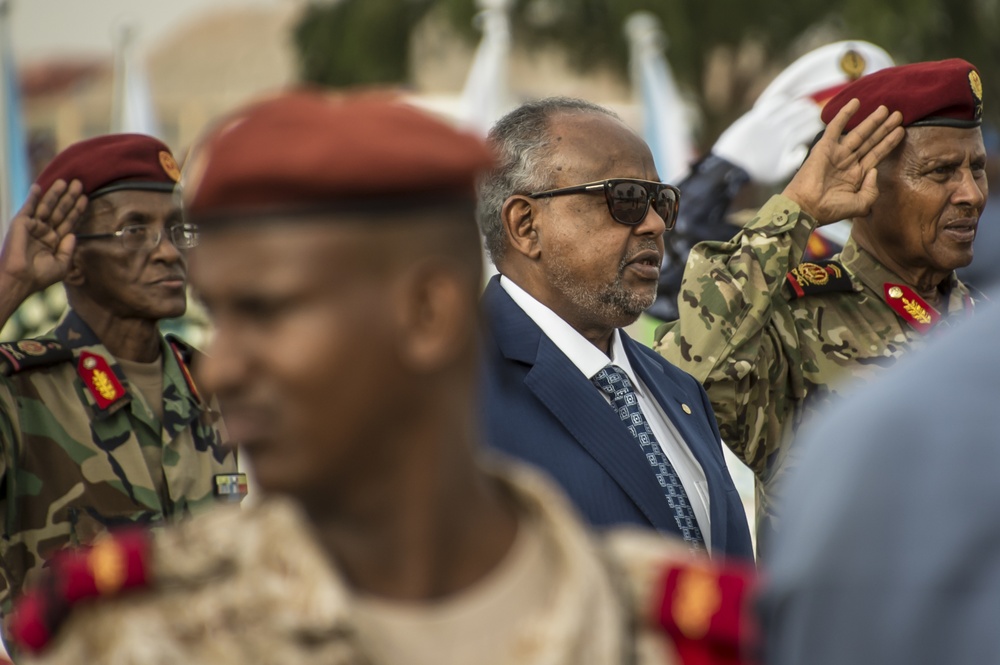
{"points": [[905, 302], [100, 379], [813, 277]]}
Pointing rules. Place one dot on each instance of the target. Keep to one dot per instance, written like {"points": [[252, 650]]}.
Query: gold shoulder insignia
{"points": [[813, 277], [911, 307]]}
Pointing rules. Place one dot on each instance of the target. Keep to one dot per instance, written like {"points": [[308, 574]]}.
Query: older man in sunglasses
{"points": [[574, 216], [101, 424]]}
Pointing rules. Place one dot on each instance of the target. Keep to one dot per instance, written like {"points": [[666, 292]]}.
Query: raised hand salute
{"points": [[39, 243]]}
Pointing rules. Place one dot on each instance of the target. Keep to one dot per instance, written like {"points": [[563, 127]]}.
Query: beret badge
{"points": [[976, 84], [169, 165], [853, 65]]}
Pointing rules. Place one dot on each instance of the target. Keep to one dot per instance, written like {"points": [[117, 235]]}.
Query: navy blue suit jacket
{"points": [[539, 407]]}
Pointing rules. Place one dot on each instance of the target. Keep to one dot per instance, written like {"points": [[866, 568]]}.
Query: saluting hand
{"points": [[837, 180], [39, 244]]}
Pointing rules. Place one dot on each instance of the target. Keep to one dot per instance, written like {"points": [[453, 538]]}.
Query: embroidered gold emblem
{"points": [[108, 566], [810, 273], [31, 347], [104, 386], [853, 65], [696, 600], [914, 309], [169, 165], [976, 84], [895, 292]]}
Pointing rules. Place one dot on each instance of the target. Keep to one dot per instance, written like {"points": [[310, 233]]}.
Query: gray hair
{"points": [[520, 141]]}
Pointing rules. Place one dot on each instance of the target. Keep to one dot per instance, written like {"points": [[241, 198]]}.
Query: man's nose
{"points": [[971, 190], [652, 223]]}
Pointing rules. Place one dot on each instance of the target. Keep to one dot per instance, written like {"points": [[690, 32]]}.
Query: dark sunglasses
{"points": [[629, 199]]}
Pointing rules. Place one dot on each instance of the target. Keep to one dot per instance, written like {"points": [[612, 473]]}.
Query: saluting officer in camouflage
{"points": [[773, 338], [101, 423]]}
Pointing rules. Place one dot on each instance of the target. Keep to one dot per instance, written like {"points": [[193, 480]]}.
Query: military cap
{"points": [[306, 151], [947, 93], [113, 162]]}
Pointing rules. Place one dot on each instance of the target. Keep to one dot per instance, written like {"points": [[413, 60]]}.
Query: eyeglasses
{"points": [[628, 199], [135, 237]]}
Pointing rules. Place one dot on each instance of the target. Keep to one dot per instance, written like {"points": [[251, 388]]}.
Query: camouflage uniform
{"points": [[254, 586], [72, 458], [771, 350]]}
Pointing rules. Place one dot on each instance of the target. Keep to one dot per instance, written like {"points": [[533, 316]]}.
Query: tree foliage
{"points": [[367, 41]]}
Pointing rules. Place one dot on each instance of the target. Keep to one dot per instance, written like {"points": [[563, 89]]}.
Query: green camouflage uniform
{"points": [[770, 357], [72, 467]]}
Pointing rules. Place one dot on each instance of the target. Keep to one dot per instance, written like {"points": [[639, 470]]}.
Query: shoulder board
{"points": [[707, 610], [813, 277], [113, 565], [30, 353], [183, 350]]}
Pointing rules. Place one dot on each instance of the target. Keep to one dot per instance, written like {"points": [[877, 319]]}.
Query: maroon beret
{"points": [[306, 151], [113, 162], [946, 93]]}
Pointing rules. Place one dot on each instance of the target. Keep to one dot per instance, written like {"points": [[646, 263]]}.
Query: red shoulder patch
{"points": [[706, 609], [112, 565]]}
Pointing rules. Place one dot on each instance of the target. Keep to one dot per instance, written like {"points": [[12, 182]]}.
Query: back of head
{"points": [[521, 143]]}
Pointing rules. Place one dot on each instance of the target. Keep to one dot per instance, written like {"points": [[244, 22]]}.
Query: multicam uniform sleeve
{"points": [[735, 333]]}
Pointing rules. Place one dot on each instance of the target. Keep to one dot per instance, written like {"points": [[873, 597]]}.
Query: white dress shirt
{"points": [[590, 360]]}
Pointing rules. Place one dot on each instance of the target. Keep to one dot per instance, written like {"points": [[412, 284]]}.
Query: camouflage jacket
{"points": [[774, 340], [255, 586], [72, 433]]}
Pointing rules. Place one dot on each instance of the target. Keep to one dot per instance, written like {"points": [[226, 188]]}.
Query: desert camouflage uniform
{"points": [[72, 467], [768, 357], [254, 586]]}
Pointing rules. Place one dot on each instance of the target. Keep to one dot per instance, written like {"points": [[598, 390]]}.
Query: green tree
{"points": [[367, 41]]}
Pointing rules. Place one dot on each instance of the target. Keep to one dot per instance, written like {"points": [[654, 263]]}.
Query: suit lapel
{"points": [[577, 404]]}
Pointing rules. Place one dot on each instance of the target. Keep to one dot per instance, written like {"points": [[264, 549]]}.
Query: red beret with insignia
{"points": [[113, 162], [947, 93], [305, 151]]}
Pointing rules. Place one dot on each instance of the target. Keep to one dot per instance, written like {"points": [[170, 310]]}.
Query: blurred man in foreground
{"points": [[904, 568], [101, 424], [341, 263], [774, 338]]}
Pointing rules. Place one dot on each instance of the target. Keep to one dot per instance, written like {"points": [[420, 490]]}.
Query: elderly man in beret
{"points": [[775, 339], [101, 423], [340, 261]]}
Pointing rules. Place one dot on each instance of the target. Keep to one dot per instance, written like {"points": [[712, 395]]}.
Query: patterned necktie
{"points": [[613, 381]]}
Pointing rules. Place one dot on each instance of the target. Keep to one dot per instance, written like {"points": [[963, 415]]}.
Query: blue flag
{"points": [[16, 171]]}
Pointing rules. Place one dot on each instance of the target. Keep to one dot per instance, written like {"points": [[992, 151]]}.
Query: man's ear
{"points": [[436, 316], [75, 275], [518, 218]]}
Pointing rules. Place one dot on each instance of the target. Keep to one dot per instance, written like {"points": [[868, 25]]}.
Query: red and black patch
{"points": [[110, 567], [812, 277], [30, 353]]}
